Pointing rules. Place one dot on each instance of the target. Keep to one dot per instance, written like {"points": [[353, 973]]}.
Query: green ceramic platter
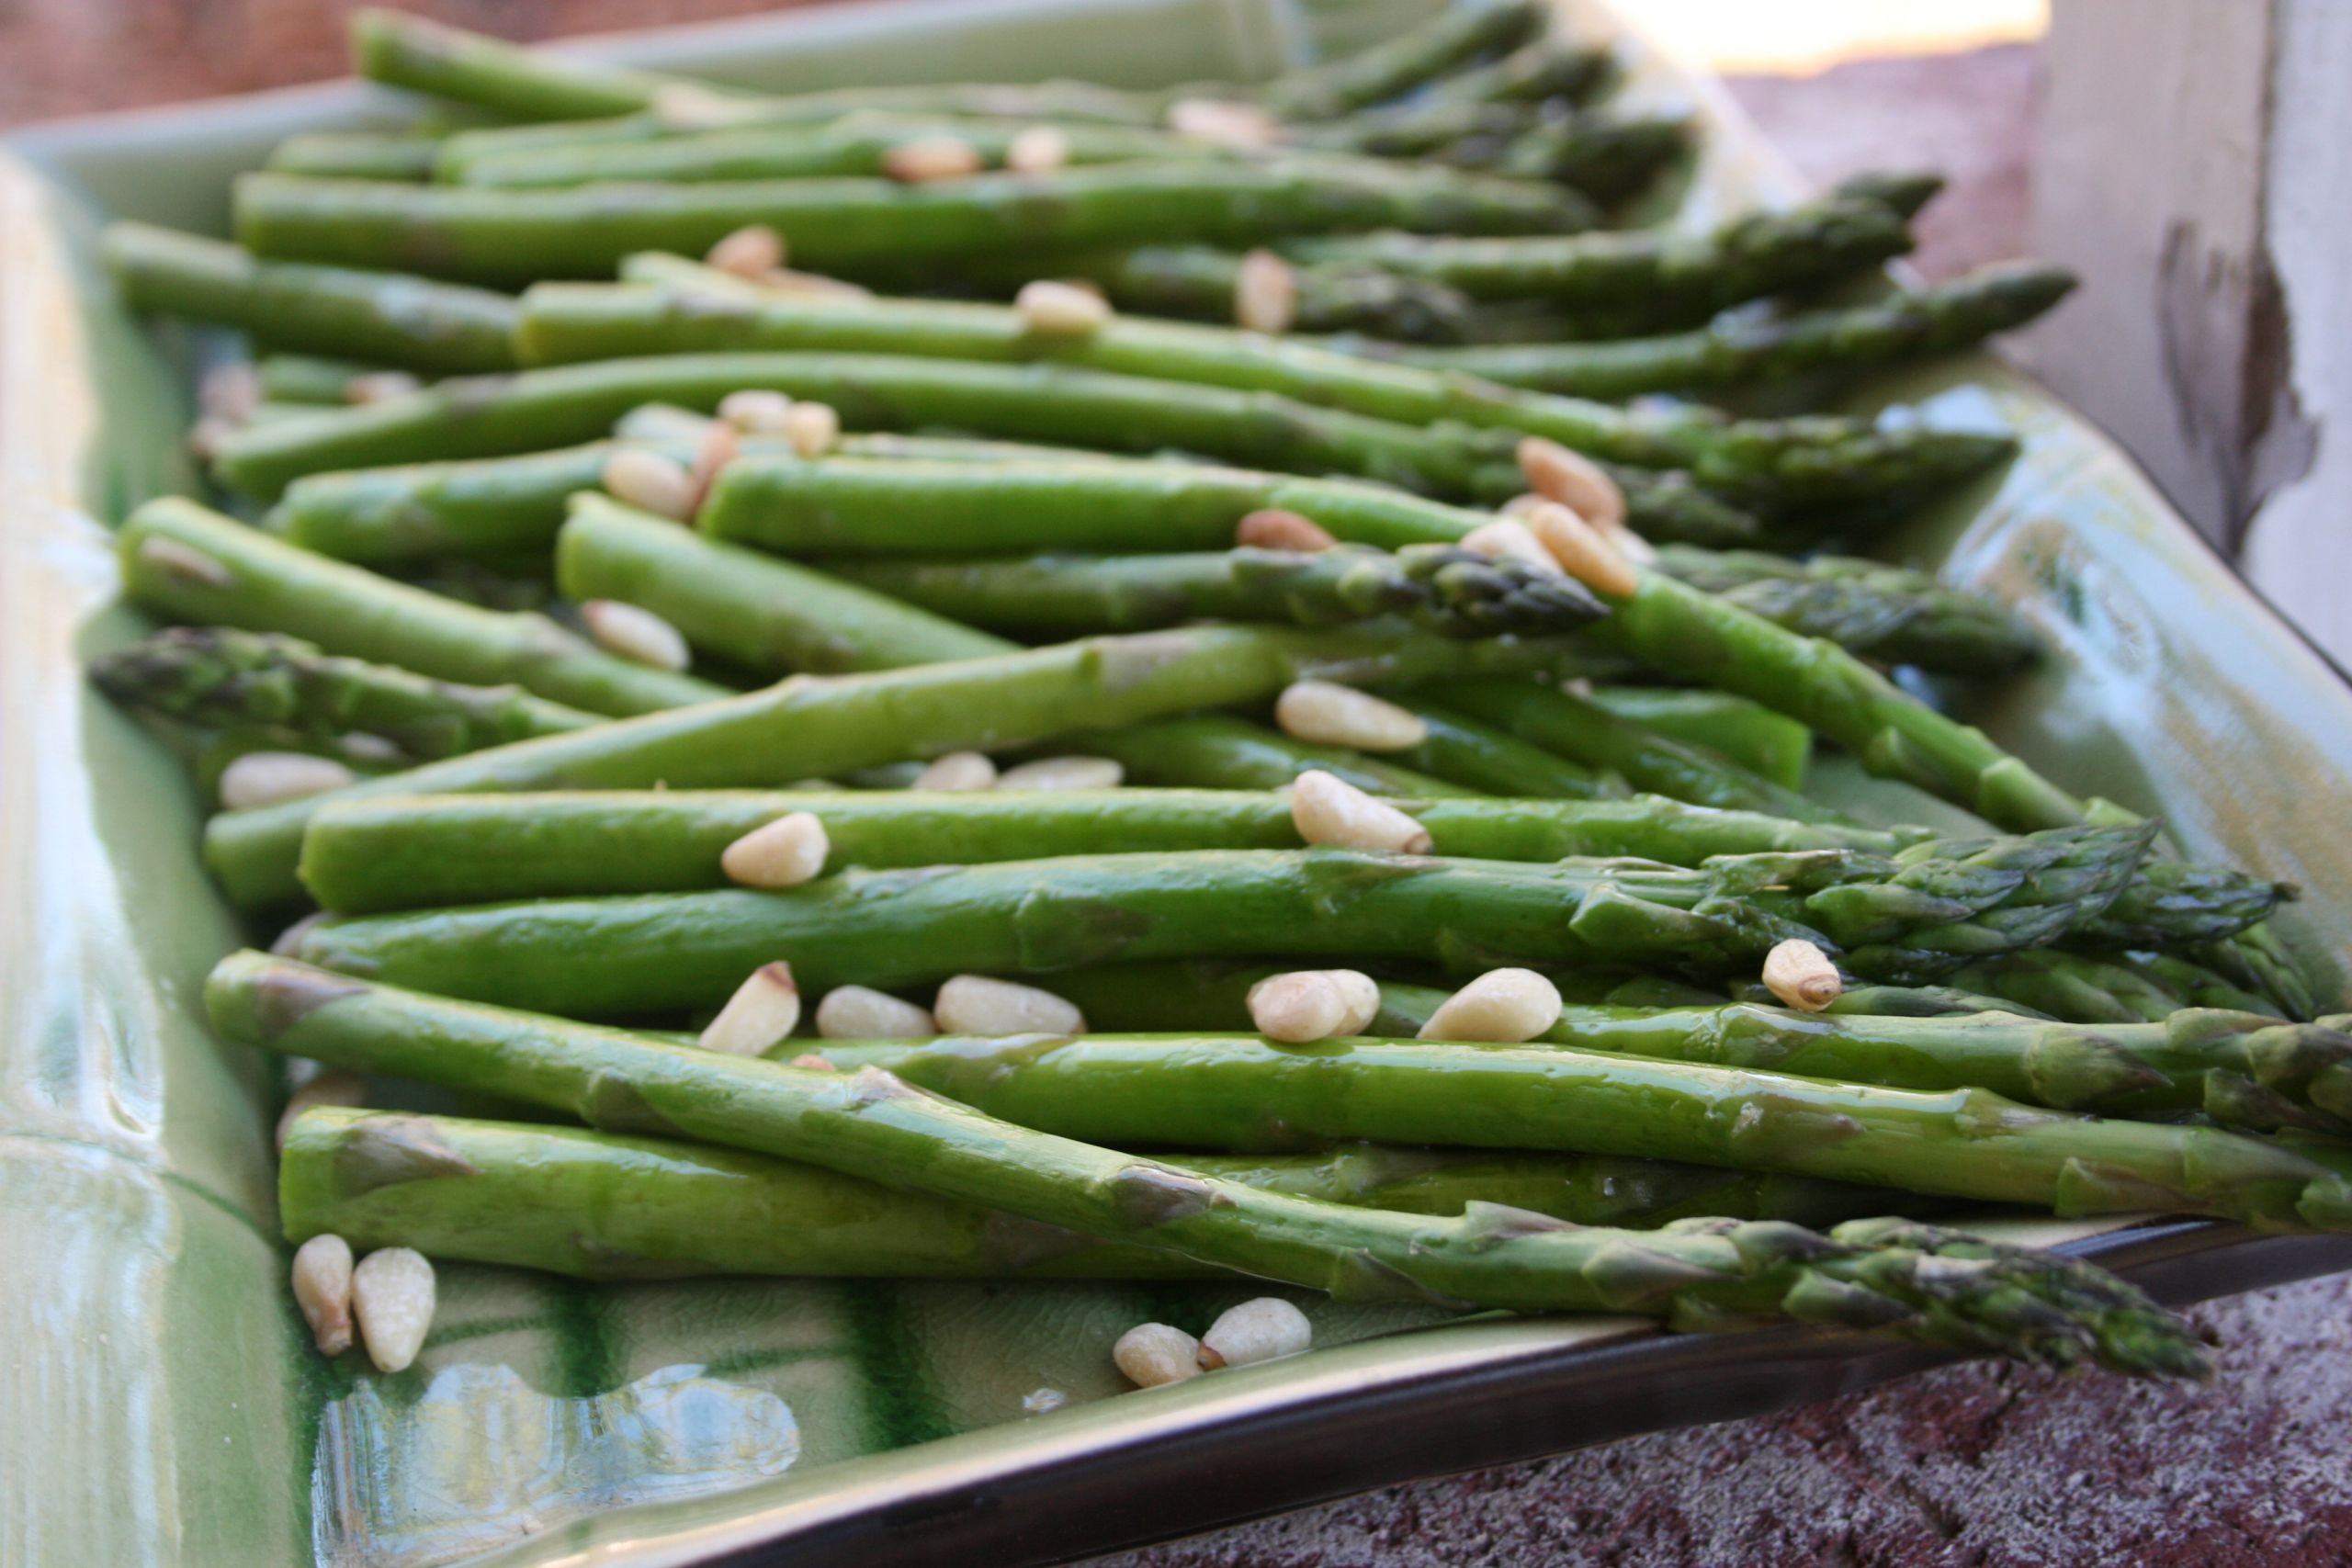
{"points": [[158, 1401]]}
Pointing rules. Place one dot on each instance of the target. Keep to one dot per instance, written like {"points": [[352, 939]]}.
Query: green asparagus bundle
{"points": [[185, 563], [1454, 591], [489, 235], [1868, 608], [608, 1206], [1883, 1275], [220, 677], [1784, 462], [1742, 348], [418, 851], [1910, 915], [387, 316], [821, 726]]}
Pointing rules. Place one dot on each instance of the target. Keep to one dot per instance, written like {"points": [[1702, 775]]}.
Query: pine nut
{"points": [[1273, 528], [230, 393], [334, 1087], [650, 482], [636, 633], [1506, 1007], [748, 252], [689, 106], [1265, 293], [814, 429], [1038, 150], [1328, 714], [977, 1004], [1313, 1004], [783, 854], [759, 1016], [1151, 1354], [1583, 554], [1803, 976], [392, 1297], [855, 1013], [717, 449], [1052, 309], [1523, 506], [958, 771], [1223, 123], [1257, 1330], [1563, 474], [1327, 809], [322, 1290], [380, 386], [265, 778], [756, 410], [1064, 772], [927, 158], [1508, 539], [184, 562]]}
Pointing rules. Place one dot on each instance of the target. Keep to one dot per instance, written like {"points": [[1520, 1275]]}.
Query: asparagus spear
{"points": [[539, 408], [1607, 155], [357, 154], [1465, 751], [2243, 1070], [855, 144], [1770, 744], [1451, 591], [1545, 69], [1783, 462], [1869, 608], [1424, 128], [487, 235], [1222, 1091], [1672, 278], [1203, 282], [2108, 989], [1455, 36], [218, 676], [816, 727], [187, 564], [1218, 751], [767, 616], [383, 316], [1869, 1273], [1588, 734], [543, 1197], [1742, 348], [1911, 916], [418, 851], [309, 378]]}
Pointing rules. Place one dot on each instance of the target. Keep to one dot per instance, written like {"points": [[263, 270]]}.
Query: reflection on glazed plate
{"points": [[161, 1405]]}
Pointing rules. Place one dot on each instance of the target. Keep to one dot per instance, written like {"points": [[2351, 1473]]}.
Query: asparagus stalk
{"points": [[544, 1197], [1590, 734], [357, 154], [1871, 1273], [1744, 348], [1202, 283], [1218, 751], [2242, 1071], [2108, 989], [1871, 609], [1454, 591], [1465, 751], [1671, 278], [1606, 155], [419, 851], [1539, 71], [816, 727], [384, 316], [1223, 1092], [1784, 462], [488, 235], [1912, 916], [185, 563], [309, 378], [1767, 743], [219, 677], [858, 144], [1425, 128], [566, 404], [1455, 36], [764, 615]]}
